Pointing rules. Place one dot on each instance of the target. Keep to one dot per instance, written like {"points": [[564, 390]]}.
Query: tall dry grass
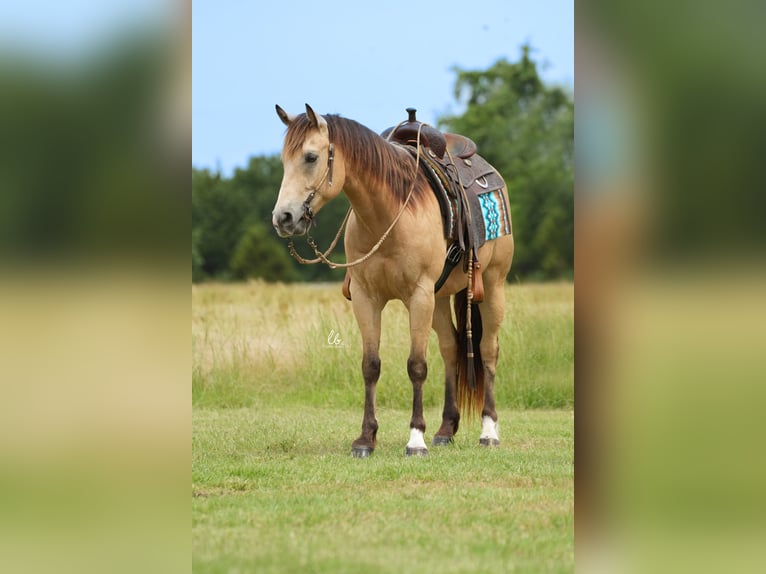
{"points": [[258, 343]]}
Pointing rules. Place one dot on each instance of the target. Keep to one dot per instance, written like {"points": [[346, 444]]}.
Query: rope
{"points": [[310, 241], [470, 373]]}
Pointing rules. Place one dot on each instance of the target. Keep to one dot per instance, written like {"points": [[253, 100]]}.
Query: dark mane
{"points": [[365, 149]]}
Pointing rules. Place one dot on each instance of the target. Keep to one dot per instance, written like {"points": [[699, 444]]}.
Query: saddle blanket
{"points": [[494, 211]]}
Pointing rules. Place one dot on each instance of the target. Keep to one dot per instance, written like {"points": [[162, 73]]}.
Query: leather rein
{"points": [[308, 215]]}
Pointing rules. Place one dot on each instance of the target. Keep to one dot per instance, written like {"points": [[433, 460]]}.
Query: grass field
{"points": [[277, 399]]}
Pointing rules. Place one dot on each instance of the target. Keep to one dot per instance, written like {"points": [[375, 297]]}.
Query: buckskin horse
{"points": [[421, 203]]}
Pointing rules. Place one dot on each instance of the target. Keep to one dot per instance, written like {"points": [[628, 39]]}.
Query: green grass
{"points": [[275, 409], [275, 490]]}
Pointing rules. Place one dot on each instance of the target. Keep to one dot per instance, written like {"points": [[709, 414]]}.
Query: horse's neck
{"points": [[373, 202]]}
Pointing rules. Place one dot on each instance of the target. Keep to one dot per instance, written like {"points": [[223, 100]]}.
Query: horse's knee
{"points": [[417, 369], [371, 368]]}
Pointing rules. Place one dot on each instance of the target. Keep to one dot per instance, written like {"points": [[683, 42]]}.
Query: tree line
{"points": [[523, 127]]}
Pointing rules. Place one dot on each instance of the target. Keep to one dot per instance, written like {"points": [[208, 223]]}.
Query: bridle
{"points": [[308, 214]]}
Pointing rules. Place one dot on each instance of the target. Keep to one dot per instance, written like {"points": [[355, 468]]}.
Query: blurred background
{"points": [[670, 309], [95, 137]]}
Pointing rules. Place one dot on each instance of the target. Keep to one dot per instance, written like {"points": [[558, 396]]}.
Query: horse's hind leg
{"points": [[421, 308], [492, 312], [445, 330], [367, 315]]}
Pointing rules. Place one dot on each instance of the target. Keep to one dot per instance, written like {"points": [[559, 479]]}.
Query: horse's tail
{"points": [[470, 369]]}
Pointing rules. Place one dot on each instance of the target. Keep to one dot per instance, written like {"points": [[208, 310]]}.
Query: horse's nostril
{"points": [[285, 217]]}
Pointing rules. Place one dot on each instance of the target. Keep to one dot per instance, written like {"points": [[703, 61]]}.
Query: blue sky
{"points": [[365, 61]]}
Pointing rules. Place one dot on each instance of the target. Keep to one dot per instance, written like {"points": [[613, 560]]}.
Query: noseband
{"points": [[308, 213]]}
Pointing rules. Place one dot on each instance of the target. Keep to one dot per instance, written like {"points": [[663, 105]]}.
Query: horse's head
{"points": [[312, 175]]}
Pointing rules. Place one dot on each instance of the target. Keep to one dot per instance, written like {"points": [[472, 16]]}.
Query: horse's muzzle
{"points": [[288, 225]]}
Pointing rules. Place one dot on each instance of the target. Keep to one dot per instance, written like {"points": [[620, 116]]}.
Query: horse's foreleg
{"points": [[445, 330], [367, 313], [421, 308]]}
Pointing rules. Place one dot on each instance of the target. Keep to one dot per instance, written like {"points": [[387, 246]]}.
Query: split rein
{"points": [[309, 215]]}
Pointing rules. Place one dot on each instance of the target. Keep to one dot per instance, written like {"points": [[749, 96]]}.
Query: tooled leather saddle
{"points": [[470, 192]]}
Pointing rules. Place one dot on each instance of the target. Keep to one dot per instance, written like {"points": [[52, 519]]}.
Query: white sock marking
{"points": [[416, 439], [488, 428]]}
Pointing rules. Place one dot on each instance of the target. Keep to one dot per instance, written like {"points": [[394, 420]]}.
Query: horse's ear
{"points": [[284, 116], [316, 120]]}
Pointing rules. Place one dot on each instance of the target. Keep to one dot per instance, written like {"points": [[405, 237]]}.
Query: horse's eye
{"points": [[310, 157]]}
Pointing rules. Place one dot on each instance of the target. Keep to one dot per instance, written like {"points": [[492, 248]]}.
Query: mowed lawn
{"points": [[277, 399]]}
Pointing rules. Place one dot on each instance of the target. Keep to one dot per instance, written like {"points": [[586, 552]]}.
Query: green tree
{"points": [[223, 209], [257, 256], [217, 222], [525, 129]]}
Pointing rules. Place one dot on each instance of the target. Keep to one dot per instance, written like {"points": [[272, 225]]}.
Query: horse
{"points": [[394, 231]]}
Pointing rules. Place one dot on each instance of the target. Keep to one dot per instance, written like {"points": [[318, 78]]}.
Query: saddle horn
{"points": [[407, 133]]}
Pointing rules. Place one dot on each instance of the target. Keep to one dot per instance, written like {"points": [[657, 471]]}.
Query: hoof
{"points": [[489, 442], [441, 440], [361, 451], [416, 451]]}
